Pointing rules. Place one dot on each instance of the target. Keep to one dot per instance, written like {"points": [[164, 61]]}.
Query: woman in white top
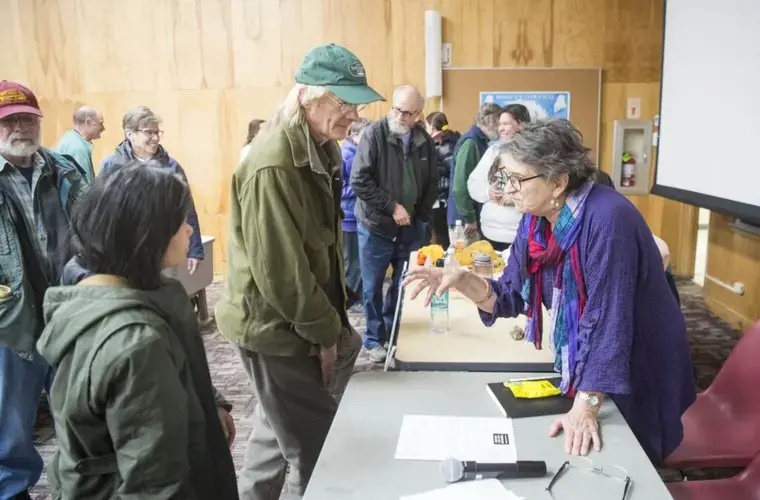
{"points": [[498, 218]]}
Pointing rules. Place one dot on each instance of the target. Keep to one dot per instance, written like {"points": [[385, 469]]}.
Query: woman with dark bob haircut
{"points": [[135, 412]]}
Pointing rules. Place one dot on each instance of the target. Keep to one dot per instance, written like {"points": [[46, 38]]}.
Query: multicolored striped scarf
{"points": [[557, 249]]}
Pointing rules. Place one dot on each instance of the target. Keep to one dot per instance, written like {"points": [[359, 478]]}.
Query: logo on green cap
{"points": [[357, 70]]}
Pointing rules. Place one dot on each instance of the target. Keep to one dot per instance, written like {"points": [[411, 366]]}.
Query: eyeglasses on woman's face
{"points": [[515, 182], [151, 134]]}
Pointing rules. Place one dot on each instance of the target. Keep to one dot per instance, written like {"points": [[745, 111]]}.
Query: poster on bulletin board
{"points": [[541, 105]]}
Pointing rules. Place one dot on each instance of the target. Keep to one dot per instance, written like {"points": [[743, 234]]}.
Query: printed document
{"points": [[479, 439]]}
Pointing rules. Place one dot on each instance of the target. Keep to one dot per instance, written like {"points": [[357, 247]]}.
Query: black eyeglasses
{"points": [[516, 182], [584, 464], [22, 119], [407, 114], [150, 134]]}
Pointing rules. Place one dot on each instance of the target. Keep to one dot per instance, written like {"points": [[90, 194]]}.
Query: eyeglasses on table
{"points": [[584, 464]]}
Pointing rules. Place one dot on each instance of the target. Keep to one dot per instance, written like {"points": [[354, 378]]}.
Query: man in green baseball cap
{"points": [[338, 69], [284, 304]]}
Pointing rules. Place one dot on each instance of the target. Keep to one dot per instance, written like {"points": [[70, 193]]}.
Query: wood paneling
{"points": [[209, 66], [733, 257]]}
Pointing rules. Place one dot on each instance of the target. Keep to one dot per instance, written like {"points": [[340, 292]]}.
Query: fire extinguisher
{"points": [[628, 177]]}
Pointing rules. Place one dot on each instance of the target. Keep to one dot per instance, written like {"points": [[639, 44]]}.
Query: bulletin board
{"points": [[462, 89]]}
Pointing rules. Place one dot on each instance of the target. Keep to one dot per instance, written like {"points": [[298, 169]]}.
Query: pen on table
{"points": [[526, 379]]}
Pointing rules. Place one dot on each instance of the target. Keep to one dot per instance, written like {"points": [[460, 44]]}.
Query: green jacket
{"points": [[134, 409], [284, 287], [80, 149]]}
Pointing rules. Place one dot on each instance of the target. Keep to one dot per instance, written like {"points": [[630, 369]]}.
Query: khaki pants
{"points": [[291, 420]]}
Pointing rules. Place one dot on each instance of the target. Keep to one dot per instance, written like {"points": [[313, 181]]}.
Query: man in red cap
{"points": [[38, 188]]}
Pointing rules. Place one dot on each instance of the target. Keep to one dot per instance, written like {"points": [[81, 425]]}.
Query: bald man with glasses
{"points": [[395, 180]]}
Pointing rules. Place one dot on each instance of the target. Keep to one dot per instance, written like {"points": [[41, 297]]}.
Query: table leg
{"points": [[200, 297]]}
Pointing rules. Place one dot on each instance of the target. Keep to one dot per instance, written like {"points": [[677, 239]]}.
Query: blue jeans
{"points": [[351, 259], [21, 383], [376, 253]]}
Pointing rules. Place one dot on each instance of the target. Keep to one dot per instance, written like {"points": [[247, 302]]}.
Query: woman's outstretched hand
{"points": [[432, 280]]}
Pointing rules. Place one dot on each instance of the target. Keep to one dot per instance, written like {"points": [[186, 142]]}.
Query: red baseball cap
{"points": [[15, 98]]}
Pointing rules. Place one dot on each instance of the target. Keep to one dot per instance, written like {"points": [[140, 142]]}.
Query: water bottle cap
{"points": [[482, 258]]}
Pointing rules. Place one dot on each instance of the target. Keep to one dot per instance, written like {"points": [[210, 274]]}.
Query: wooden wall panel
{"points": [[733, 257], [209, 66]]}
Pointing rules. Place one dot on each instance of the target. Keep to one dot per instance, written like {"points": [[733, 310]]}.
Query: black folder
{"points": [[513, 407]]}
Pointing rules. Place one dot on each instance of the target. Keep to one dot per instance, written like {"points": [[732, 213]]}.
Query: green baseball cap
{"points": [[338, 69]]}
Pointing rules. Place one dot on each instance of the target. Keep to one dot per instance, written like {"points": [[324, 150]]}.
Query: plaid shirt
{"points": [[13, 180]]}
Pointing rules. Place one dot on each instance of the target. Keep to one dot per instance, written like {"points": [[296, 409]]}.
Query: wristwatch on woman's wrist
{"points": [[591, 399]]}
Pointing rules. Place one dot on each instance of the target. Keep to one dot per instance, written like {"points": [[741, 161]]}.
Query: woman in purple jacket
{"points": [[586, 253], [347, 202]]}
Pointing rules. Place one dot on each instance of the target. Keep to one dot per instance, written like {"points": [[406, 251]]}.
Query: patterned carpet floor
{"points": [[711, 340]]}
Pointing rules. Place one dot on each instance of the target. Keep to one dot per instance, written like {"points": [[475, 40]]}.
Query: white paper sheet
{"points": [[482, 439], [485, 489]]}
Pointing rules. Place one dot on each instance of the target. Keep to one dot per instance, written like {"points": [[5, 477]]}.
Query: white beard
{"points": [[397, 128], [21, 149]]}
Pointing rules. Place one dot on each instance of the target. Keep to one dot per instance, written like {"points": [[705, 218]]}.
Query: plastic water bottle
{"points": [[450, 265], [459, 237], [439, 312]]}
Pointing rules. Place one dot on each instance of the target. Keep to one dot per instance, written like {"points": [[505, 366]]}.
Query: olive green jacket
{"points": [[134, 408], [284, 287]]}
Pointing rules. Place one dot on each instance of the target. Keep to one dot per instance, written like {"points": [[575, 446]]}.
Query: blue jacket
{"points": [[123, 154], [347, 197]]}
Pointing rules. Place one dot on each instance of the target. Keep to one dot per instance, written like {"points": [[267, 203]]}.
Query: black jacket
{"points": [[378, 172], [445, 158]]}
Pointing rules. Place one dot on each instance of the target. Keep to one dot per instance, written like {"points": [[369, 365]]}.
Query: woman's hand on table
{"points": [[581, 429], [434, 279]]}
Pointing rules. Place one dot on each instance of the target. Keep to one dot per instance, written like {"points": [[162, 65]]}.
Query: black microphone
{"points": [[455, 470]]}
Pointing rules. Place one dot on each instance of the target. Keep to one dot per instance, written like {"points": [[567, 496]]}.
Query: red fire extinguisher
{"points": [[628, 177]]}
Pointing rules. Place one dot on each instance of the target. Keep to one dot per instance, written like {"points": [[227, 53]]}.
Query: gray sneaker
{"points": [[377, 354]]}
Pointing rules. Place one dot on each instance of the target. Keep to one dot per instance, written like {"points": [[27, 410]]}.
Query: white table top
{"points": [[357, 459], [468, 343]]}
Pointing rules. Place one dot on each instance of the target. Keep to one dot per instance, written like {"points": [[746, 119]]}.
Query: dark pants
{"points": [[351, 259], [497, 245], [376, 253]]}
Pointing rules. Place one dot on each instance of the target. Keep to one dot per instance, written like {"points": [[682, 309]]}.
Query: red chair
{"points": [[722, 427], [745, 486]]}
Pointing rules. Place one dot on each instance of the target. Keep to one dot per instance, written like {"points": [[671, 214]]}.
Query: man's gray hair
{"points": [[552, 147], [403, 90], [488, 115], [138, 117], [357, 127], [84, 113], [292, 110]]}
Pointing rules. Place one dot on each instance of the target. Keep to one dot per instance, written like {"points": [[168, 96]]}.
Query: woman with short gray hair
{"points": [[584, 252], [142, 141]]}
